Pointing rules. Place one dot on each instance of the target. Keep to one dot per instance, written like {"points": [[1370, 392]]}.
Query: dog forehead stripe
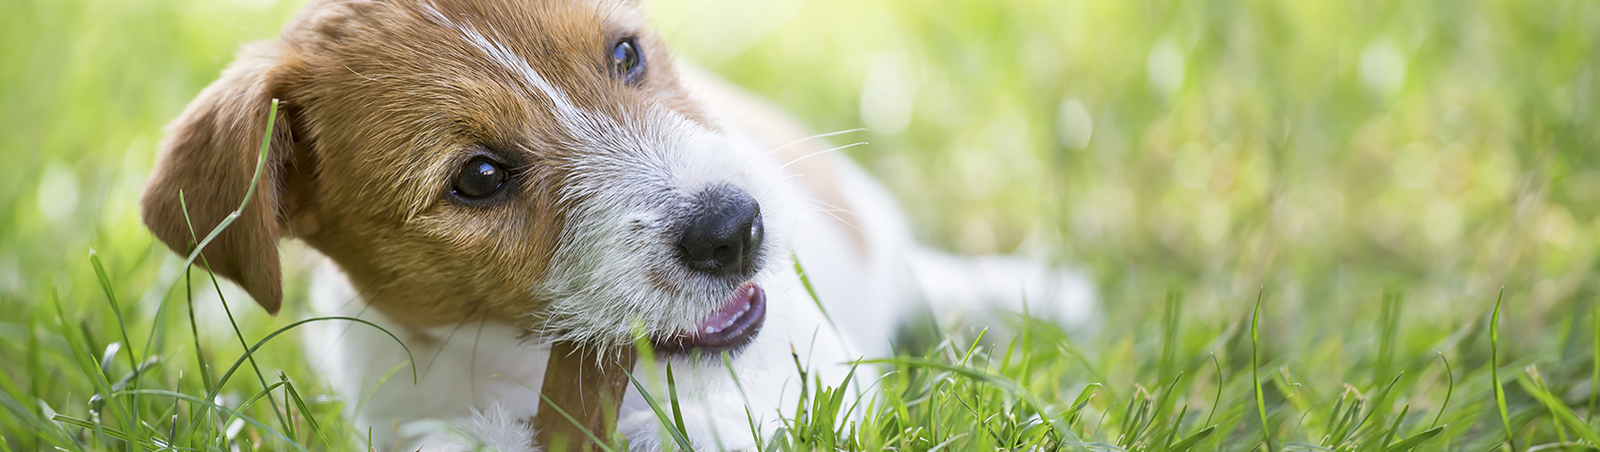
{"points": [[511, 61]]}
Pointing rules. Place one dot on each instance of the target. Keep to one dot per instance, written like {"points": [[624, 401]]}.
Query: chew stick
{"points": [[588, 384]]}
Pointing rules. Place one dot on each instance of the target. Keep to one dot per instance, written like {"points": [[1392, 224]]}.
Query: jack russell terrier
{"points": [[487, 177]]}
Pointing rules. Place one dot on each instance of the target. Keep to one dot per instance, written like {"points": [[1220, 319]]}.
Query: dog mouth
{"points": [[733, 325]]}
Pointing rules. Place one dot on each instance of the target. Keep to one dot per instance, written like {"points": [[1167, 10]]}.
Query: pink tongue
{"points": [[736, 306]]}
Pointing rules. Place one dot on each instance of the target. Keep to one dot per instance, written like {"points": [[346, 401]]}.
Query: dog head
{"points": [[535, 162]]}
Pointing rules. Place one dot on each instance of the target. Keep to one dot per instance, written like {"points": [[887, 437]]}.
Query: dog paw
{"points": [[492, 429]]}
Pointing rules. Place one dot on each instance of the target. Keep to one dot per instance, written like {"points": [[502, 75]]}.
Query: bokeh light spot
{"points": [[1074, 126], [58, 192]]}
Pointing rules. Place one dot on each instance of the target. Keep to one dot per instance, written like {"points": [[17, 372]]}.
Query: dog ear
{"points": [[210, 156]]}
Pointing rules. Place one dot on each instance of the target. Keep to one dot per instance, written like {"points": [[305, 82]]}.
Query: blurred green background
{"points": [[1322, 151]]}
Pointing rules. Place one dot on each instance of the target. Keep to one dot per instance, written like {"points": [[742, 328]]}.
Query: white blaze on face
{"points": [[631, 190], [498, 53]]}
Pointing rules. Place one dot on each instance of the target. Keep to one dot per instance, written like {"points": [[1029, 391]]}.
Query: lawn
{"points": [[1315, 224]]}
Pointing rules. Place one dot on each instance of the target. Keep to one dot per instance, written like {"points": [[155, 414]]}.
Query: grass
{"points": [[1299, 214], [958, 395]]}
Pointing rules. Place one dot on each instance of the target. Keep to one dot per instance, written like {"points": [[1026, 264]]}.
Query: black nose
{"points": [[723, 233]]}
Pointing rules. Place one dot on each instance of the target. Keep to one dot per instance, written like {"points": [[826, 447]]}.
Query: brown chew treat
{"points": [[588, 388]]}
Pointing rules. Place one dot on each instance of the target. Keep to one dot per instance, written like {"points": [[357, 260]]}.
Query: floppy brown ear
{"points": [[210, 156]]}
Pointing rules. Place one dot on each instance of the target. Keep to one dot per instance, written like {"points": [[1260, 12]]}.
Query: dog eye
{"points": [[627, 61], [479, 178]]}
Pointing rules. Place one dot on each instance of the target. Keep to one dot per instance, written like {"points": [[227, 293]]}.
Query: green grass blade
{"points": [[1449, 390], [42, 428], [1128, 416], [755, 432], [194, 330], [1494, 371], [223, 409], [1414, 440], [1388, 325], [1161, 403], [552, 404], [1071, 416], [811, 291], [592, 438], [1394, 427], [239, 362], [1216, 401], [1557, 408], [250, 352], [997, 380], [727, 363], [1172, 432], [1192, 440], [111, 297], [380, 382], [666, 422], [109, 431], [1377, 403], [200, 245], [87, 366], [300, 403], [1169, 332], [672, 398], [1255, 368], [1337, 413], [251, 401], [1348, 422], [122, 328]]}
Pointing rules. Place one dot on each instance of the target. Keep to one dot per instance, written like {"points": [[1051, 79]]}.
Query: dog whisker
{"points": [[818, 202], [823, 206], [609, 14], [814, 154], [444, 345], [354, 2], [841, 220], [472, 363], [359, 314], [364, 76], [813, 137]]}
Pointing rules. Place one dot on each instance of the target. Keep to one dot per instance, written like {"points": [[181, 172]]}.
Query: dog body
{"points": [[487, 177]]}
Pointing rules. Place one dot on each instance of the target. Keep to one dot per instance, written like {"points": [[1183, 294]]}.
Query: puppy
{"points": [[488, 177]]}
